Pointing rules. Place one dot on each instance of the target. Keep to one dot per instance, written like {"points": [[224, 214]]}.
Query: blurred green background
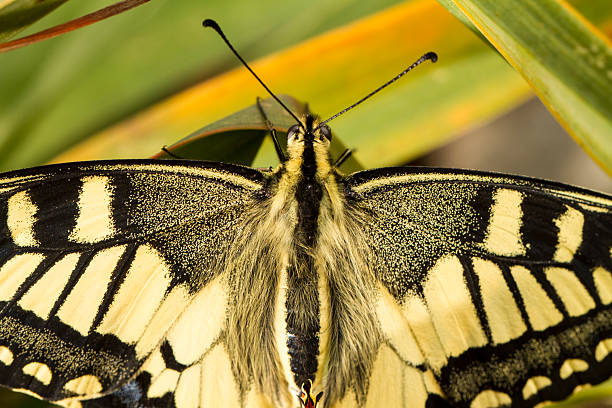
{"points": [[131, 84]]}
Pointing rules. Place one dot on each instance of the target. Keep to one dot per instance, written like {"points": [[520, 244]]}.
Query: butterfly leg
{"points": [[343, 157], [277, 147]]}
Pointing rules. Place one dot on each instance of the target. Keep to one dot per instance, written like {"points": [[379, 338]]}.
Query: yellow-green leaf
{"points": [[61, 91], [468, 86], [418, 113], [567, 61]]}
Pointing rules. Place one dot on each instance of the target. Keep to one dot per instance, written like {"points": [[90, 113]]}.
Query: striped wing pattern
{"points": [[98, 259], [495, 290]]}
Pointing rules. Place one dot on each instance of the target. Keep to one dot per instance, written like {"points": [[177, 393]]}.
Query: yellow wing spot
{"points": [[386, 388], [155, 364], [396, 328], [453, 313], [419, 318], [534, 385], [603, 283], [416, 385], [163, 383], [504, 230], [138, 297], [14, 273], [503, 314], [581, 387], [490, 399], [218, 387], [570, 226], [81, 306], [203, 320], [27, 392], [39, 371], [187, 393], [94, 221], [574, 295], [41, 297], [603, 348], [540, 309], [20, 219], [6, 356], [163, 319], [431, 384], [84, 385], [572, 365]]}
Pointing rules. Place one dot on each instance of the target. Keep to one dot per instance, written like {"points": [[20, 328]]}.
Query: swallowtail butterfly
{"points": [[144, 283]]}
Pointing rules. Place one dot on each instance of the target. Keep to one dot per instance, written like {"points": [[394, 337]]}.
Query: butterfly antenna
{"points": [[429, 56], [213, 24]]}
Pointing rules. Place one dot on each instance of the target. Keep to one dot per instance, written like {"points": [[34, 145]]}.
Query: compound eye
{"points": [[324, 130], [293, 132]]}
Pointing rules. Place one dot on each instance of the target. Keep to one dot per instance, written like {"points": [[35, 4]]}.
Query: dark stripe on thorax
{"points": [[302, 297]]}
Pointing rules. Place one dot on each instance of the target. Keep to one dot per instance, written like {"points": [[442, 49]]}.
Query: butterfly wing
{"points": [[501, 286], [98, 259]]}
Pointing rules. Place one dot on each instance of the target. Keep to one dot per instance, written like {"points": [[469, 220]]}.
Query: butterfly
{"points": [[146, 283]]}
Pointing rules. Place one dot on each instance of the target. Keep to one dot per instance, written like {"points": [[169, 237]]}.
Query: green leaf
{"points": [[456, 11], [15, 15], [61, 91], [422, 111], [238, 138], [565, 59]]}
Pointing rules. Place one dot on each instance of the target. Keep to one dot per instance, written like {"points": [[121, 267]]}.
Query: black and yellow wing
{"points": [[97, 262], [493, 290]]}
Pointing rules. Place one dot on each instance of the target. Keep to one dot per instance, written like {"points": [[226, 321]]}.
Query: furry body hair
{"points": [[330, 288]]}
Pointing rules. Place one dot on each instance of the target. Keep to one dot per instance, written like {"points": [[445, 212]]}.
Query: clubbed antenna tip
{"points": [[213, 24], [432, 56], [428, 56]]}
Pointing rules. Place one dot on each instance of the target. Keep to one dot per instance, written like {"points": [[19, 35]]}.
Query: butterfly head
{"points": [[310, 134]]}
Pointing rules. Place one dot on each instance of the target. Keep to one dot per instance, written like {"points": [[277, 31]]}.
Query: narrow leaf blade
{"points": [[566, 60], [15, 15]]}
